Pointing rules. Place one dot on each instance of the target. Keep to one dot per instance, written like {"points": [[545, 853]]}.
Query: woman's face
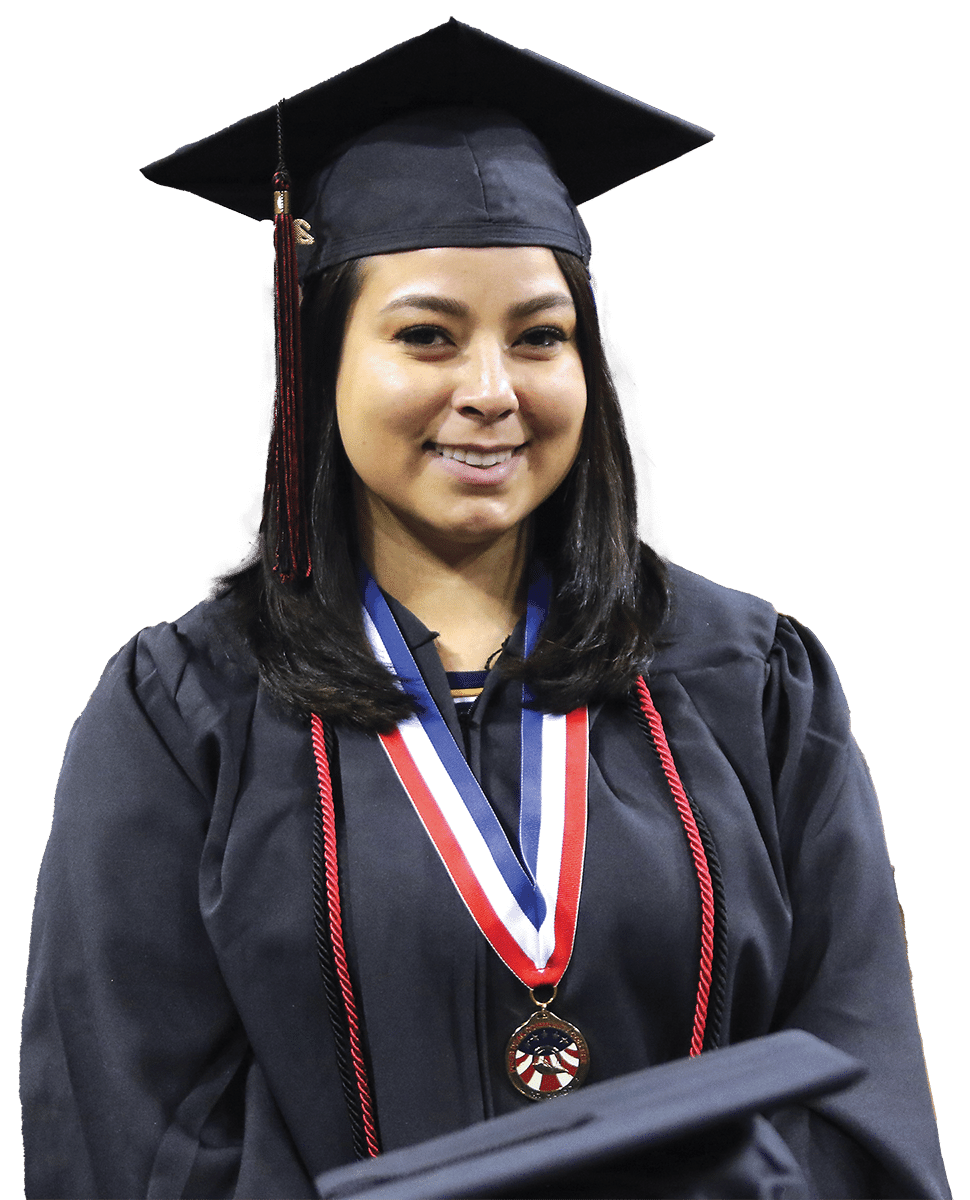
{"points": [[460, 394]]}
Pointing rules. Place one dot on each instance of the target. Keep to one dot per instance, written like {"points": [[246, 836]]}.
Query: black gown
{"points": [[176, 1034]]}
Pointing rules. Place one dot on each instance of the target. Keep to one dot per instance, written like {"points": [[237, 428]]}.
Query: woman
{"points": [[472, 485]]}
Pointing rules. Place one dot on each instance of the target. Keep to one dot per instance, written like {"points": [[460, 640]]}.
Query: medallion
{"points": [[526, 909], [546, 1056]]}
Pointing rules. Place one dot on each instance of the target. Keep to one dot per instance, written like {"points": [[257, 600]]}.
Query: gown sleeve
{"points": [[136, 1073], [848, 977]]}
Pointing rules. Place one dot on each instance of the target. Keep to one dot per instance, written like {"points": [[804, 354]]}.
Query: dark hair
{"points": [[608, 590]]}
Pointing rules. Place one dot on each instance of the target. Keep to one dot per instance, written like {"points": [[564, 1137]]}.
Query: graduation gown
{"points": [[176, 1033]]}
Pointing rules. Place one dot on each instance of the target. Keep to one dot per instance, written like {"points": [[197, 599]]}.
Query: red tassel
{"points": [[285, 482]]}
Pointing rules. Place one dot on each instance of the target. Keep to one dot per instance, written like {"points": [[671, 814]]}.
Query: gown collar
{"points": [[421, 643]]}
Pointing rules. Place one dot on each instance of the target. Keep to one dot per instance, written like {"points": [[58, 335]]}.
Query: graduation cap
{"points": [[453, 138], [686, 1128]]}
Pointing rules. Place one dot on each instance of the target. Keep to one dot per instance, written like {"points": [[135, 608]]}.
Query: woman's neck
{"points": [[471, 596]]}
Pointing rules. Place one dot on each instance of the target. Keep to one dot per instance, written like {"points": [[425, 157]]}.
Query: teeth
{"points": [[473, 457]]}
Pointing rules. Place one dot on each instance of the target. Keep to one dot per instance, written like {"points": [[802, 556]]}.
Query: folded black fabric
{"points": [[690, 1128]]}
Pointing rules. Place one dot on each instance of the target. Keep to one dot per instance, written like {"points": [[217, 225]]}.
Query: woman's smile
{"points": [[461, 393], [477, 468], [474, 458]]}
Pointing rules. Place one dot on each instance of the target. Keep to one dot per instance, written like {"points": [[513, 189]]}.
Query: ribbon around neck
{"points": [[527, 910]]}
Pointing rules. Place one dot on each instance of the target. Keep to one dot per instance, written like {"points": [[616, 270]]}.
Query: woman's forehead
{"points": [[500, 273]]}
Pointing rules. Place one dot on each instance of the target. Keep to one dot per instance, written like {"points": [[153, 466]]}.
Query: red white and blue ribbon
{"points": [[526, 910]]}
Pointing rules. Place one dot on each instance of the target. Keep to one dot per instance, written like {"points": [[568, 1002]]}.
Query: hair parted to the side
{"points": [[608, 590]]}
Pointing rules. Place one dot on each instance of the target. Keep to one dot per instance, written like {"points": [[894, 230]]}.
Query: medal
{"points": [[526, 910], [546, 1056]]}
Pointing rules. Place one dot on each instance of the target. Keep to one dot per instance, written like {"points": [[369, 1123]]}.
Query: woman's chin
{"points": [[471, 535], [477, 523]]}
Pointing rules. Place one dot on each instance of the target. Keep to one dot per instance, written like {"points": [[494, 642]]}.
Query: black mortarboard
{"points": [[453, 138], [418, 183], [682, 1129]]}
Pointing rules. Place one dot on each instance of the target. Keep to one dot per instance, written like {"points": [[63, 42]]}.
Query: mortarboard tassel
{"points": [[284, 470]]}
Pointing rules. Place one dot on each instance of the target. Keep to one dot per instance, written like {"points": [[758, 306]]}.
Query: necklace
{"points": [[527, 910]]}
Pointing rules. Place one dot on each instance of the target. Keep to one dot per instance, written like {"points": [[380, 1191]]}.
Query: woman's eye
{"points": [[430, 336], [543, 336]]}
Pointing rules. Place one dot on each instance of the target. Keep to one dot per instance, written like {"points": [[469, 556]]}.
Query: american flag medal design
{"points": [[546, 1057]]}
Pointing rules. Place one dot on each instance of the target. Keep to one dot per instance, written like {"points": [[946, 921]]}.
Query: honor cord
{"points": [[655, 725], [328, 821]]}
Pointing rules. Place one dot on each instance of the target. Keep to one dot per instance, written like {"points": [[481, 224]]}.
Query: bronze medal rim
{"points": [[546, 1020]]}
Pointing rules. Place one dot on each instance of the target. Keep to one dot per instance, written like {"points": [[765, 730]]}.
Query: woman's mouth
{"points": [[477, 467], [473, 458]]}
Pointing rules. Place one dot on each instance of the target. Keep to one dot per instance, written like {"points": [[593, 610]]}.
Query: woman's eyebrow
{"points": [[431, 302], [527, 308], [455, 308]]}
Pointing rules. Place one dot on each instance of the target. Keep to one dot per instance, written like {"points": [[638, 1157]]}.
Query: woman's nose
{"points": [[485, 388]]}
